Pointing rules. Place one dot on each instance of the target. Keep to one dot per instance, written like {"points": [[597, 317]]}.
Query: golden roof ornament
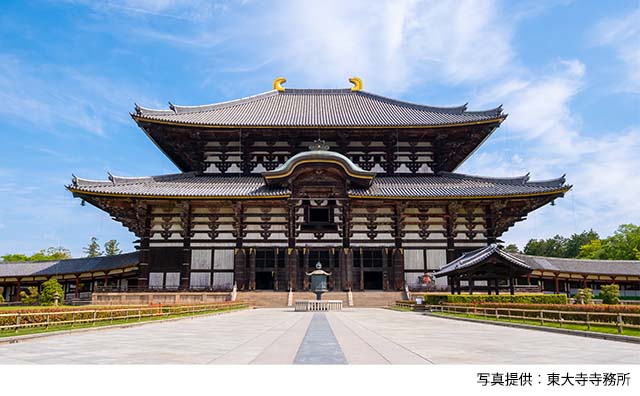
{"points": [[319, 145], [277, 84], [357, 83]]}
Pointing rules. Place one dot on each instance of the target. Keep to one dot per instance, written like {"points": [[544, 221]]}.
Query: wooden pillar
{"points": [[397, 257], [185, 222], [275, 271], [305, 268], [471, 285], [346, 267], [497, 281], [557, 284], [239, 268], [529, 279], [512, 288], [584, 282], [106, 280], [252, 268], [459, 285], [143, 213], [16, 292], [293, 256], [77, 291], [397, 262], [450, 217]]}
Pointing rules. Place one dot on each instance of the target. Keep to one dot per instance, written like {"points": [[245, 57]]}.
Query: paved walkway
{"points": [[354, 336]]}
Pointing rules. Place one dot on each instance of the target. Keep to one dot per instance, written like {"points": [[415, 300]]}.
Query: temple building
{"points": [[272, 183]]}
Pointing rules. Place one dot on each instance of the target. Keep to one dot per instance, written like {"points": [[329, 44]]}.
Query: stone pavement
{"points": [[353, 336]]}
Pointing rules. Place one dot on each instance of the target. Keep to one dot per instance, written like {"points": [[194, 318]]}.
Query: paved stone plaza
{"points": [[353, 336]]}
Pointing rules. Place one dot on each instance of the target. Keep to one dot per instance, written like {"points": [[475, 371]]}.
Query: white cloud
{"points": [[47, 96], [395, 45], [544, 136], [623, 35]]}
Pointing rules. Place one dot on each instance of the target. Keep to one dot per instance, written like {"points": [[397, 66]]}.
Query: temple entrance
{"points": [[264, 280], [372, 280]]}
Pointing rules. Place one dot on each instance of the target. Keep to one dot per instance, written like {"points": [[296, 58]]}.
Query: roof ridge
{"points": [[578, 259], [182, 109], [403, 103], [517, 180]]}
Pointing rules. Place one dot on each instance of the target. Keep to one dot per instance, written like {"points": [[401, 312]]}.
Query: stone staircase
{"points": [[268, 298]]}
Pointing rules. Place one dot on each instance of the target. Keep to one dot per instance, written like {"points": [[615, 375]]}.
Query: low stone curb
{"points": [[579, 333], [15, 339]]}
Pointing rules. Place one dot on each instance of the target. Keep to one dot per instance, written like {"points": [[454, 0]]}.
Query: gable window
{"points": [[319, 217]]}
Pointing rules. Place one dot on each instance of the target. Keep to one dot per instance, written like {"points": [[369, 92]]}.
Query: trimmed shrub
{"points": [[507, 298], [30, 298], [49, 290], [435, 299], [584, 296], [610, 294], [85, 313]]}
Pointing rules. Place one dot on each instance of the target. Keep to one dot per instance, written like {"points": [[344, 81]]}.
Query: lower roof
{"points": [[68, 266], [582, 266], [427, 186]]}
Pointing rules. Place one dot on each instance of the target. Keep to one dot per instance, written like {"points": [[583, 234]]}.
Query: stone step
{"points": [[269, 298]]}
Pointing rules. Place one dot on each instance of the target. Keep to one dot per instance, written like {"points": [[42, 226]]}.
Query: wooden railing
{"points": [[614, 319], [24, 320]]}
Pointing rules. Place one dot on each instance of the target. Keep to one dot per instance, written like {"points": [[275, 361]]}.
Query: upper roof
{"points": [[317, 108], [191, 185], [477, 257], [68, 266], [582, 266]]}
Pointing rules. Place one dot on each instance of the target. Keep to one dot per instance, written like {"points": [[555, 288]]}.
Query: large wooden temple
{"points": [[273, 183]]}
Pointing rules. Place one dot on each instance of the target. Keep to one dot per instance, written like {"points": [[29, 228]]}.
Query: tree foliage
{"points": [[30, 298], [51, 253], [93, 248], [111, 248], [511, 248], [559, 246], [49, 290], [624, 244], [610, 294]]}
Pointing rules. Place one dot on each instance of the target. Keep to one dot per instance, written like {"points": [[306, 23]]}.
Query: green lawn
{"points": [[55, 328], [594, 328]]}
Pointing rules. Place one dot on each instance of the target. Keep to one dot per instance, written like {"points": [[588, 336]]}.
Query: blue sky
{"points": [[568, 74]]}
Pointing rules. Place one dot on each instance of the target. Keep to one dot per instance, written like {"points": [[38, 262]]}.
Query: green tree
{"points": [[591, 250], [573, 244], [624, 244], [511, 248], [610, 294], [49, 290], [111, 248], [30, 298], [51, 253], [552, 247], [93, 249], [14, 257]]}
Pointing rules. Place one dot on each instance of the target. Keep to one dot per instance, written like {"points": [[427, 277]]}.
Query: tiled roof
{"points": [[446, 184], [473, 258], [440, 185], [69, 266], [317, 108], [181, 185], [581, 266]]}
